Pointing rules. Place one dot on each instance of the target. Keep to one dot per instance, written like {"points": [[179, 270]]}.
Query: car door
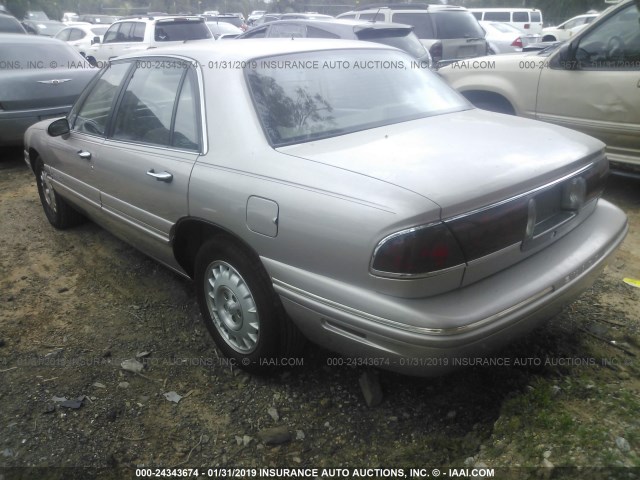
{"points": [[153, 144], [73, 157], [599, 90]]}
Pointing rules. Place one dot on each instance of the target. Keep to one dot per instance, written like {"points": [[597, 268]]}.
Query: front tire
{"points": [[59, 213], [239, 307]]}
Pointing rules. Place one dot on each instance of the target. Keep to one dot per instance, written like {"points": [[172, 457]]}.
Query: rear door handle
{"points": [[160, 176], [84, 154]]}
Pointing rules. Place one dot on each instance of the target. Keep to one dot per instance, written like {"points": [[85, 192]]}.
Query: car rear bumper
{"points": [[14, 123], [433, 335]]}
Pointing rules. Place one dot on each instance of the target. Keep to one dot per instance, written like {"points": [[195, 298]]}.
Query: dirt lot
{"points": [[75, 304]]}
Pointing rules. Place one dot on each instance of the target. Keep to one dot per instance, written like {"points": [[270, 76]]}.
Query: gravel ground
{"points": [[75, 304]]}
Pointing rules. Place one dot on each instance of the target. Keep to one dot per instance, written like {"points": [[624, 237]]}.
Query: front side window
{"points": [[92, 116], [304, 97], [112, 34], [147, 113], [614, 44], [61, 35]]}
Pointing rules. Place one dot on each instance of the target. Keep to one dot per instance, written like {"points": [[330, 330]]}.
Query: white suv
{"points": [[448, 32], [141, 33]]}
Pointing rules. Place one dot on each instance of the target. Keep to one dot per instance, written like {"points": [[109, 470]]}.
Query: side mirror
{"points": [[95, 40], [58, 127], [563, 59]]}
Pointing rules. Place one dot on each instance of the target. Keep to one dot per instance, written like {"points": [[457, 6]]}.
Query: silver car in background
{"points": [[40, 78], [326, 188]]}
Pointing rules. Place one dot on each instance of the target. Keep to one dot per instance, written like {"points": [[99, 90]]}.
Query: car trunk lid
{"points": [[456, 160], [42, 88]]}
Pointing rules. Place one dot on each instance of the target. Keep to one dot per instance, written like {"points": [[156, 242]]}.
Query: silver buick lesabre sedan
{"points": [[332, 190]]}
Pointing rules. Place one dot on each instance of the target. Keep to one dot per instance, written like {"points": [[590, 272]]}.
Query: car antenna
{"points": [[373, 20]]}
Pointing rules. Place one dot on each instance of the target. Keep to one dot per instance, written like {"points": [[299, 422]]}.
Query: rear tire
{"points": [[59, 213], [240, 308]]}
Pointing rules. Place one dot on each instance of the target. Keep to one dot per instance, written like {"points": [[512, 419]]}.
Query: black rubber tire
{"points": [[277, 338], [59, 213]]}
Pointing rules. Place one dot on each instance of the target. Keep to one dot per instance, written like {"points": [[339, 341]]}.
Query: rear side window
{"points": [[421, 23], [313, 32], [478, 15], [521, 17], [457, 24], [148, 112], [497, 16], [287, 31]]}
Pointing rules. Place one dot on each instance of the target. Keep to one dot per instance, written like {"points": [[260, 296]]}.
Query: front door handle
{"points": [[84, 154], [160, 176]]}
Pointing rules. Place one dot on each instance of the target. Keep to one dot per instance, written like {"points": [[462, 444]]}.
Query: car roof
{"points": [[250, 48], [426, 7], [340, 23]]}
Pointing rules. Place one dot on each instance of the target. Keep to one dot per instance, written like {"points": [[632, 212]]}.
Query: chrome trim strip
{"points": [[530, 192], [126, 219], [285, 288]]}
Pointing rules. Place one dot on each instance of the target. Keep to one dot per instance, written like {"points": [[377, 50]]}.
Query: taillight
{"points": [[526, 26], [417, 251], [491, 229], [517, 43], [436, 52]]}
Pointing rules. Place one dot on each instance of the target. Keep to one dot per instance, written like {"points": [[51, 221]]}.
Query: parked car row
{"points": [[590, 83]]}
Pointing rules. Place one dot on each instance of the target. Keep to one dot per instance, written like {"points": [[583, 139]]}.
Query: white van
{"points": [[527, 20]]}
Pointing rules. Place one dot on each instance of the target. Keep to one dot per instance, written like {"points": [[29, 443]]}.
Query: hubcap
{"points": [[232, 307], [47, 191]]}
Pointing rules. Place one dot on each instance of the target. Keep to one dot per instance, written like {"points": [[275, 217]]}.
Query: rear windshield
{"points": [[457, 24], [10, 25], [39, 56], [536, 17], [421, 23], [181, 29], [315, 95], [403, 39]]}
